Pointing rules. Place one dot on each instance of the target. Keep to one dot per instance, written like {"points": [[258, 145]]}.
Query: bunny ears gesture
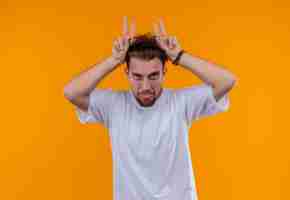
{"points": [[129, 33], [121, 44], [126, 31], [168, 43]]}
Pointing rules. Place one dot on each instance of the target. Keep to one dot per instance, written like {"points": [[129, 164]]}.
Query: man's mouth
{"points": [[146, 95]]}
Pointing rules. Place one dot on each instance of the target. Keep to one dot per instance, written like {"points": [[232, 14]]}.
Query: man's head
{"points": [[145, 68]]}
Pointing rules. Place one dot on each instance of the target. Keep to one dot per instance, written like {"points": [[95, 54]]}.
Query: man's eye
{"points": [[137, 77], [154, 77]]}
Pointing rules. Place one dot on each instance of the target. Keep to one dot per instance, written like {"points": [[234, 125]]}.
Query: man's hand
{"points": [[121, 44], [168, 43]]}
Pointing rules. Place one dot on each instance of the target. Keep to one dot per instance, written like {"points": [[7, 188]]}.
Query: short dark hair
{"points": [[145, 46]]}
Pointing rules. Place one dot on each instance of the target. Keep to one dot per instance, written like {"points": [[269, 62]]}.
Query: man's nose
{"points": [[145, 85]]}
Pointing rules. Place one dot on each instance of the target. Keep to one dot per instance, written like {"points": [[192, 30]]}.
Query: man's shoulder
{"points": [[107, 95]]}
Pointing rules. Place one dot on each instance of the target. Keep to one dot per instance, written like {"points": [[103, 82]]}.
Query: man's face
{"points": [[146, 78]]}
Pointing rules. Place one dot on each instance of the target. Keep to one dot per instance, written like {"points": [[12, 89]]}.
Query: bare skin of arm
{"points": [[219, 78], [77, 91]]}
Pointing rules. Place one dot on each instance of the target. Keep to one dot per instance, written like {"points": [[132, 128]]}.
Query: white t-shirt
{"points": [[151, 155]]}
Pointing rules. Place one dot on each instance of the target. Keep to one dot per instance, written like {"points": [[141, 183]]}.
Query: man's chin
{"points": [[147, 103]]}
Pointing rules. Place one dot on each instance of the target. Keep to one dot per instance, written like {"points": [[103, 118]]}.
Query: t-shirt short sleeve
{"points": [[199, 101], [99, 109]]}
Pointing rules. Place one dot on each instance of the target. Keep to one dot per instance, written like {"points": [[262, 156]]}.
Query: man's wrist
{"points": [[113, 61], [173, 56], [177, 58]]}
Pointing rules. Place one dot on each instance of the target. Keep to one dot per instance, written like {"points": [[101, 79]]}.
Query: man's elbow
{"points": [[232, 81], [67, 93], [224, 88], [227, 83]]}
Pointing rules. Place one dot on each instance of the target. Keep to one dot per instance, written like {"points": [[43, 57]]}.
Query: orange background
{"points": [[45, 153]]}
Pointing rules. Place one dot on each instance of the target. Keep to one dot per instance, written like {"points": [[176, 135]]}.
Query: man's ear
{"points": [[164, 70], [126, 70]]}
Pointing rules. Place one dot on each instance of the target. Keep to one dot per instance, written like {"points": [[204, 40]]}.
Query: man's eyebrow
{"points": [[154, 73], [136, 74], [151, 74]]}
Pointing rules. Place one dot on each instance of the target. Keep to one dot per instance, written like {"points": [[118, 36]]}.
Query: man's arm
{"points": [[220, 79], [78, 89]]}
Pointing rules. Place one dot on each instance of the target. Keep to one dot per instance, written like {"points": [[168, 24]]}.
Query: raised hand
{"points": [[121, 44], [168, 43]]}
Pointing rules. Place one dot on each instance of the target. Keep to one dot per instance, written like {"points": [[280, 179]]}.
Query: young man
{"points": [[148, 125]]}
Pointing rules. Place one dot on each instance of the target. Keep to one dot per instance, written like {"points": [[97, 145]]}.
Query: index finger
{"points": [[156, 29], [133, 28], [162, 27], [125, 26]]}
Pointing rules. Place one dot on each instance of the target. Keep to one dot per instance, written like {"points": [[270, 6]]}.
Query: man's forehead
{"points": [[138, 65]]}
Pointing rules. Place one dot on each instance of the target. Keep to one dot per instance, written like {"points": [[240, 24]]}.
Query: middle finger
{"points": [[162, 28]]}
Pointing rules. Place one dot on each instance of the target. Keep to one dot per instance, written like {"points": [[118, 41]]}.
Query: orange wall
{"points": [[45, 153]]}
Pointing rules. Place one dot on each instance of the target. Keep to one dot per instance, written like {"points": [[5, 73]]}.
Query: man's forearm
{"points": [[85, 82], [208, 72]]}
